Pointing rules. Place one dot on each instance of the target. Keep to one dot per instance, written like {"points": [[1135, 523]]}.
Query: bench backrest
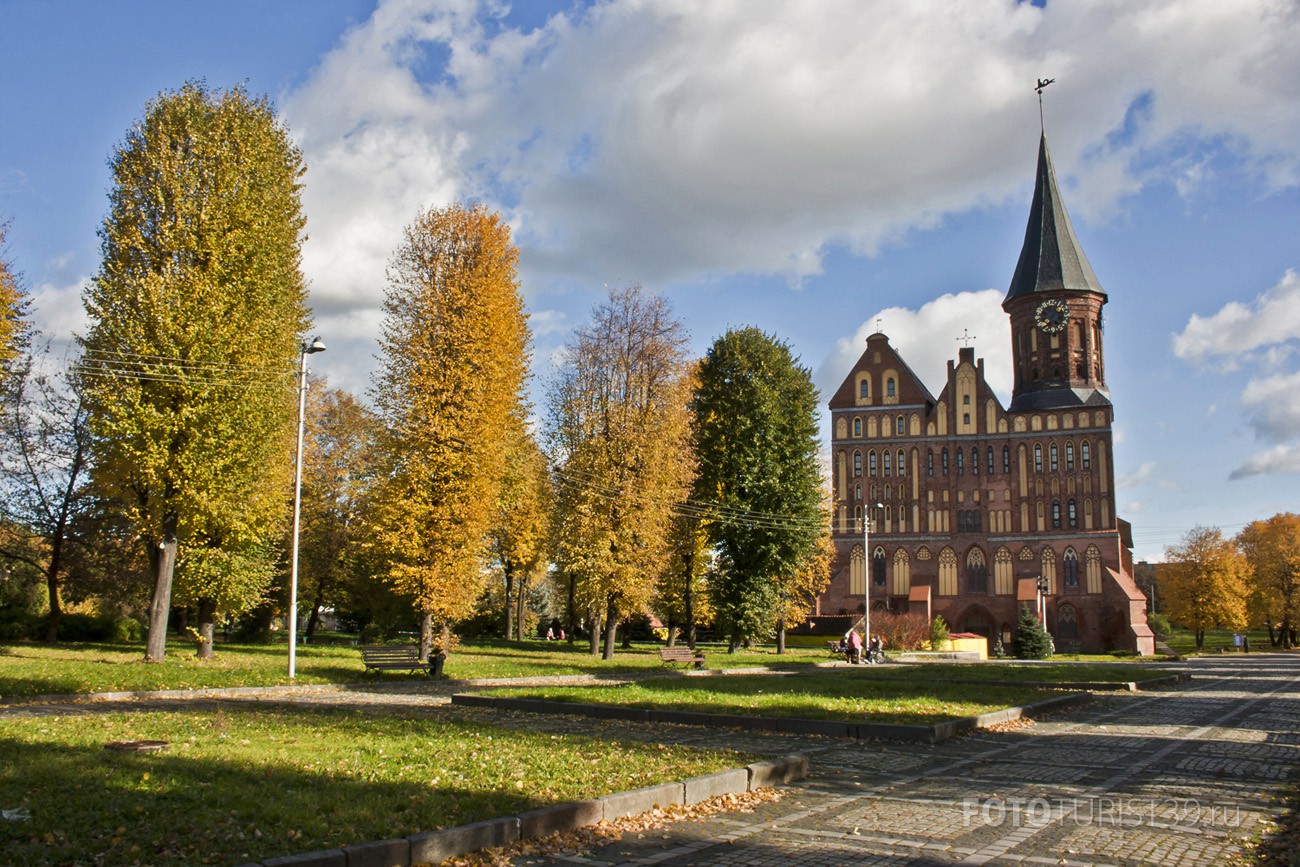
{"points": [[383, 653]]}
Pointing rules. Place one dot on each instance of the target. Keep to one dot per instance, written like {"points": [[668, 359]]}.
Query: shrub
{"points": [[900, 631], [1160, 625], [939, 633]]}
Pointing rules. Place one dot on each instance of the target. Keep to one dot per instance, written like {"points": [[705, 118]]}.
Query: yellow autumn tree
{"points": [[13, 307], [455, 352], [1204, 583], [620, 432], [519, 537], [1272, 549]]}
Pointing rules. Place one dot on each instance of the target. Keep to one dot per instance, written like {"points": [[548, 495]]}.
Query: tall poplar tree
{"points": [[196, 320], [756, 426], [620, 433], [520, 539], [455, 355]]}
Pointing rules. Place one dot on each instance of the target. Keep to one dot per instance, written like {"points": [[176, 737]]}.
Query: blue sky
{"points": [[809, 168]]}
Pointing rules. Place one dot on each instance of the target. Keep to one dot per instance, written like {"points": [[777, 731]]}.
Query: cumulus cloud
{"points": [[1238, 330], [928, 338], [1259, 335], [668, 141], [1140, 475]]}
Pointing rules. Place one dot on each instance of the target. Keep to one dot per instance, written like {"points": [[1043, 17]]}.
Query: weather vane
{"points": [[1042, 83]]}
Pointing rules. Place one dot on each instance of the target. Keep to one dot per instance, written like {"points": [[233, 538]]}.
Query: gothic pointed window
{"points": [[961, 462], [1006, 459], [900, 425], [976, 572], [902, 467], [1038, 458], [864, 388], [1086, 455], [1070, 568], [1069, 456], [1073, 514], [878, 568], [929, 462], [890, 389], [1056, 515], [975, 460], [944, 455], [871, 461], [1053, 454], [857, 463], [991, 470], [1067, 623], [885, 460], [857, 428]]}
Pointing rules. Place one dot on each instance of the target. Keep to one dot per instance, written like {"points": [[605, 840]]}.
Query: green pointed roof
{"points": [[1051, 259]]}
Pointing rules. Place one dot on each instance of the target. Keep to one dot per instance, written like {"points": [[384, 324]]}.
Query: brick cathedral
{"points": [[976, 508]]}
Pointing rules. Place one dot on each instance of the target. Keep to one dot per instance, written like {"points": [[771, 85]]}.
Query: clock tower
{"points": [[1055, 306]]}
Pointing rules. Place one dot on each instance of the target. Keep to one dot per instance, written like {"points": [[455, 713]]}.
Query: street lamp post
{"points": [[1043, 585], [317, 345], [866, 568]]}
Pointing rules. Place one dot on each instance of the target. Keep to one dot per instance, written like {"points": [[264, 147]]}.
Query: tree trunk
{"points": [[207, 614], [573, 614], [593, 636], [519, 614], [162, 562], [734, 643], [780, 639], [56, 607], [510, 602], [672, 632], [1200, 638], [313, 619], [611, 631], [426, 636], [690, 602]]}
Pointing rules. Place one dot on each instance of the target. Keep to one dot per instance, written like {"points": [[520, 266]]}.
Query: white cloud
{"points": [[1274, 402], [57, 311], [666, 140], [1280, 460], [928, 338], [1139, 476], [1238, 329]]}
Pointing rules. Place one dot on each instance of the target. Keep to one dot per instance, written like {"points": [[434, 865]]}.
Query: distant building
{"points": [[972, 503]]}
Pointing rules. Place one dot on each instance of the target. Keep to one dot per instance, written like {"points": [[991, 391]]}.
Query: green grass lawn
{"points": [[28, 669], [878, 695], [1183, 642], [243, 784]]}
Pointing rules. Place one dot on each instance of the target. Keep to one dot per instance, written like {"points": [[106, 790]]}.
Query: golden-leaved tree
{"points": [[1203, 582], [1272, 549], [196, 320], [520, 535], [455, 355], [619, 431], [14, 326]]}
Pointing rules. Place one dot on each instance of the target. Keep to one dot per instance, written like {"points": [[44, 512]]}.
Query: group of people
{"points": [[852, 647]]}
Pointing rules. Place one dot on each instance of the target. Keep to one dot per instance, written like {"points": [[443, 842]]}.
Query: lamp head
{"points": [[316, 345]]}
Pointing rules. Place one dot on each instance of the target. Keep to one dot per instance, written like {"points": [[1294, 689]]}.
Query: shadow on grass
{"points": [[222, 801]]}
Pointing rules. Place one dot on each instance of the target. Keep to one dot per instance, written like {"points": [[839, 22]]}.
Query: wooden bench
{"points": [[671, 655], [382, 657]]}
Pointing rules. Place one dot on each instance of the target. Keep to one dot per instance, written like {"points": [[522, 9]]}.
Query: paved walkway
{"points": [[1177, 777]]}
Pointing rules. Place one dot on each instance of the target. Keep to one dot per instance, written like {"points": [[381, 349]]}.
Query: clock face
{"points": [[1051, 316]]}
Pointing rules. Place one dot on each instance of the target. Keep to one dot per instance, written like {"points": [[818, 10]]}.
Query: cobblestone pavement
{"points": [[1176, 777]]}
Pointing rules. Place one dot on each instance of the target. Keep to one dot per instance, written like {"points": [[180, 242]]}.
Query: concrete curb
{"points": [[931, 734], [434, 847]]}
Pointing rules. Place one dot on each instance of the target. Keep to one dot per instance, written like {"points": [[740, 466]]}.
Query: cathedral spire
{"points": [[1051, 259]]}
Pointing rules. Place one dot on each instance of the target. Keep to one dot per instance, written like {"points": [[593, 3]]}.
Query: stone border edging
{"points": [[931, 734], [434, 847]]}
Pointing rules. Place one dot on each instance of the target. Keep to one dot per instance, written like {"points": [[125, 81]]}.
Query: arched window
{"points": [[864, 388], [1053, 458], [977, 580], [1086, 455], [1070, 568], [1038, 458], [871, 461], [857, 427], [991, 469], [857, 463], [885, 458], [961, 461], [1067, 623], [1072, 514], [1006, 459], [901, 426], [890, 390], [975, 461], [944, 455], [878, 568], [902, 466], [857, 493], [929, 462], [1056, 514], [1069, 456]]}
